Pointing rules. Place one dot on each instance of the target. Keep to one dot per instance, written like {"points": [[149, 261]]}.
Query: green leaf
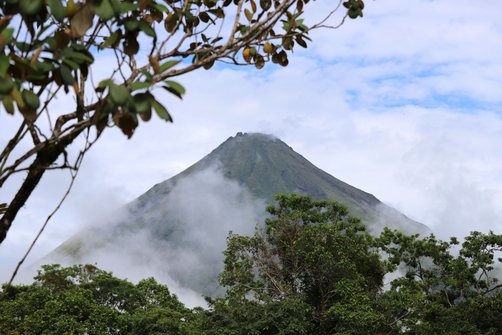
{"points": [[159, 7], [131, 24], [147, 29], [7, 34], [6, 85], [30, 7], [119, 94], [66, 75], [111, 40], [160, 110], [4, 64], [77, 56], [140, 85], [147, 74], [124, 7], [142, 103], [44, 67], [169, 64], [104, 10], [71, 64], [57, 9], [30, 99], [175, 88], [8, 103], [103, 84]]}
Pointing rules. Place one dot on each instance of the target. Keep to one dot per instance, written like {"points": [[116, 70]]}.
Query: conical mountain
{"points": [[179, 226]]}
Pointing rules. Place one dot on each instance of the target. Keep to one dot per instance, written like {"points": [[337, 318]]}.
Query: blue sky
{"points": [[405, 103]]}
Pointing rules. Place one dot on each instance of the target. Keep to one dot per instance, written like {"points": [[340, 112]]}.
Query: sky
{"points": [[405, 103]]}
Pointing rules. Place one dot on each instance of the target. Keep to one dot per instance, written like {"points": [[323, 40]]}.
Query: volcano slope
{"points": [[177, 230]]}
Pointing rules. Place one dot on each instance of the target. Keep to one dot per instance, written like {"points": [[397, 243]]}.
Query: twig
{"points": [[74, 174], [18, 266]]}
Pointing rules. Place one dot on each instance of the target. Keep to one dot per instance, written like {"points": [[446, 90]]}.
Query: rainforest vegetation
{"points": [[309, 269]]}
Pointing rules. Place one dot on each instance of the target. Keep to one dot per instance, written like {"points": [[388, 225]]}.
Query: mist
{"points": [[178, 237]]}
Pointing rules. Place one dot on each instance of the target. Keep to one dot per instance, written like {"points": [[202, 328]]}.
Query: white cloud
{"points": [[404, 103]]}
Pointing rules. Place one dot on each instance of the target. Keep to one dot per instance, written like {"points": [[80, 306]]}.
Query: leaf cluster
{"points": [[48, 47]]}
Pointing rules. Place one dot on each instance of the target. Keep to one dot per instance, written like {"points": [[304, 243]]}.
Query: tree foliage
{"points": [[443, 291], [50, 48], [311, 269], [309, 251], [322, 272], [85, 300]]}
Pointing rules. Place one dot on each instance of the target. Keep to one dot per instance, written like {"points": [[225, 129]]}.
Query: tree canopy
{"points": [[311, 269], [86, 300], [51, 48]]}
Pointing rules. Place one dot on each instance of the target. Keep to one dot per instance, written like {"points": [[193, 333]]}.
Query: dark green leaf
{"points": [[142, 103], [208, 65], [103, 84], [104, 10], [119, 94], [301, 41], [140, 85], [4, 65], [44, 67], [71, 64], [159, 7], [147, 74], [111, 40], [77, 56], [161, 110], [123, 7], [176, 87], [8, 103], [30, 99], [57, 9], [167, 65], [30, 7], [131, 24], [7, 34], [66, 75], [6, 85], [147, 29]]}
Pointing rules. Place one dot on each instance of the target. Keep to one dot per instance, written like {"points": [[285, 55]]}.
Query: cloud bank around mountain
{"points": [[404, 103]]}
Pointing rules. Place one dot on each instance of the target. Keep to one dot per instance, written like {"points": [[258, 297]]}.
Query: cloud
{"points": [[403, 103], [178, 237]]}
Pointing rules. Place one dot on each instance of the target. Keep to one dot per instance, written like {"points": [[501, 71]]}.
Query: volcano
{"points": [[179, 227]]}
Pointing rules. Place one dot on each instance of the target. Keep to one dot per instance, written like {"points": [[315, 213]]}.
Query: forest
{"points": [[310, 268]]}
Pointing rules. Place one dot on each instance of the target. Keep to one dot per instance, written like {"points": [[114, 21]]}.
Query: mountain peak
{"points": [[246, 139], [254, 136], [184, 221]]}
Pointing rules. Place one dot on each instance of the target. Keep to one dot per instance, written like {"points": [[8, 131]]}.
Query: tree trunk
{"points": [[45, 158]]}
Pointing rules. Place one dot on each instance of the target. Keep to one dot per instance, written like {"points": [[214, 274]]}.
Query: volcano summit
{"points": [[177, 230]]}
